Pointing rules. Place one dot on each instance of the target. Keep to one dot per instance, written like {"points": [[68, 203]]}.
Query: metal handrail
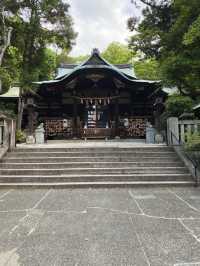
{"points": [[181, 144]]}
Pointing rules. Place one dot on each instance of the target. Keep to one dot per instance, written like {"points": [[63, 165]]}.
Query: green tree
{"points": [[147, 69], [177, 104], [35, 25], [48, 65], [169, 32], [47, 23], [11, 67], [117, 53], [8, 11], [65, 58], [150, 32]]}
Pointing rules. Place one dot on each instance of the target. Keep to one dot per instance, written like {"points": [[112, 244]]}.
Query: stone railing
{"points": [[188, 127], [7, 134], [177, 130]]}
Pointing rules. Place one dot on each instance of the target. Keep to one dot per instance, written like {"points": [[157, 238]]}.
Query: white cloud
{"points": [[99, 22]]}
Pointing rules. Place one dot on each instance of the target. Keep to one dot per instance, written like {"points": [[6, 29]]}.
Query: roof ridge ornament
{"points": [[95, 51]]}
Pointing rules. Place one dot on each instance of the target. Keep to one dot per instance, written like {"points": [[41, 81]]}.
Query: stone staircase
{"points": [[100, 166]]}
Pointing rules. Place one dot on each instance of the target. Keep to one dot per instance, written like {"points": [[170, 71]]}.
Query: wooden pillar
{"points": [[5, 134], [116, 117], [75, 118]]}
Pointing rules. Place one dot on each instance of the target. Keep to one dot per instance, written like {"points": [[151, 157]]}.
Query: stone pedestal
{"points": [[39, 134], [159, 138], [150, 135], [30, 139]]}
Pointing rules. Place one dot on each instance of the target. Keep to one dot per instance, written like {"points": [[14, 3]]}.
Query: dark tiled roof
{"points": [[72, 66]]}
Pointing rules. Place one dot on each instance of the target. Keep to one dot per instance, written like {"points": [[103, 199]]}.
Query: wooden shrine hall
{"points": [[94, 100]]}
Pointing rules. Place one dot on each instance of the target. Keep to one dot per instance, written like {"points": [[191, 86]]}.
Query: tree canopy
{"points": [[169, 32], [117, 53], [147, 69], [37, 26]]}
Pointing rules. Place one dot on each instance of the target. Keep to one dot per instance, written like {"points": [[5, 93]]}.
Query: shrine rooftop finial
{"points": [[95, 51]]}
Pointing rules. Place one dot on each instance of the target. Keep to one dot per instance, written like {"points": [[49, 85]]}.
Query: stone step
{"points": [[103, 170], [90, 154], [95, 164], [96, 178], [90, 160], [96, 149], [100, 166], [87, 184]]}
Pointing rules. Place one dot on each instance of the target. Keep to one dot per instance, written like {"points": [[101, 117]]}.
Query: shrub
{"points": [[192, 147], [192, 142], [178, 104], [20, 136]]}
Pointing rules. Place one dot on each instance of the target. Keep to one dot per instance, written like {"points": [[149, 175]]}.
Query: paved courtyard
{"points": [[125, 227]]}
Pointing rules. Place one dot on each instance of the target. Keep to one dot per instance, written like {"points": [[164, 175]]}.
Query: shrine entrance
{"points": [[98, 117]]}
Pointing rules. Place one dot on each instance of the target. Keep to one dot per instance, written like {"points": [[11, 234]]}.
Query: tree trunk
{"points": [[7, 32], [6, 43], [20, 113]]}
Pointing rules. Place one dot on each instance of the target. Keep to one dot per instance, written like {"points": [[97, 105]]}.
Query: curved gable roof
{"points": [[96, 62]]}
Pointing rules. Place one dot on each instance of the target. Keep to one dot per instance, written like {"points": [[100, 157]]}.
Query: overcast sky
{"points": [[100, 22]]}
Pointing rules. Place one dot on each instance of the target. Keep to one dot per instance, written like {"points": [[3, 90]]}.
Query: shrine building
{"points": [[94, 100]]}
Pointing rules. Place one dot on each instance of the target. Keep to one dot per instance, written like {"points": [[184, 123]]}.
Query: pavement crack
{"points": [[187, 264], [137, 203], [68, 211], [45, 195], [142, 214], [140, 242], [13, 211], [6, 193], [28, 223], [190, 231], [111, 210], [187, 203]]}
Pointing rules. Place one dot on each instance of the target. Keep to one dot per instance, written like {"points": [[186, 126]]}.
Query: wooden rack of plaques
{"points": [[136, 127], [58, 128]]}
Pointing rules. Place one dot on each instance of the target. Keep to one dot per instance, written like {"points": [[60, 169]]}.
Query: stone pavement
{"points": [[97, 227]]}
